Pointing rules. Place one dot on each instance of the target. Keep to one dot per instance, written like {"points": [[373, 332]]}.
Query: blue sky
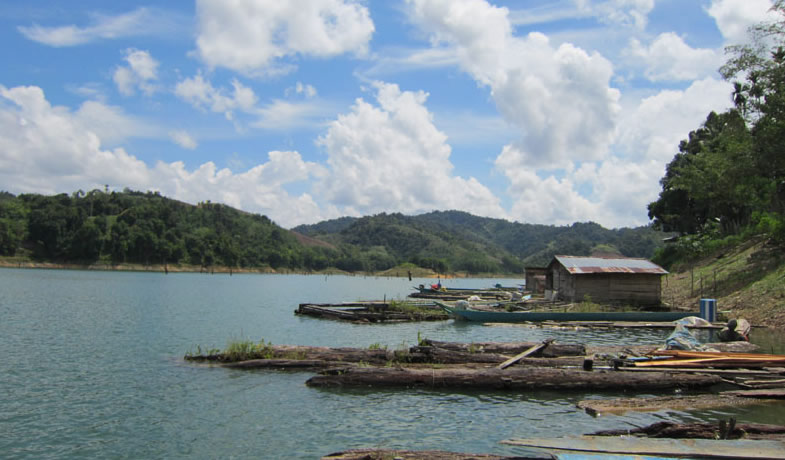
{"points": [[534, 111]]}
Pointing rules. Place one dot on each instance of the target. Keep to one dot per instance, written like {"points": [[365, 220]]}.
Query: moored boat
{"points": [[483, 316]]}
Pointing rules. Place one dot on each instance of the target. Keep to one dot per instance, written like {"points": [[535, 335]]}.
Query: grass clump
{"points": [[242, 350]]}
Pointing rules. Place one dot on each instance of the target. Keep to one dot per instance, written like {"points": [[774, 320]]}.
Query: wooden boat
{"points": [[483, 316]]}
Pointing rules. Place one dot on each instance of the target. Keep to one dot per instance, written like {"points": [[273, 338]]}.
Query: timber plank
{"points": [[703, 448]]}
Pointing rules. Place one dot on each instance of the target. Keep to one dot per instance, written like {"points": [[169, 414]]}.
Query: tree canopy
{"points": [[729, 174]]}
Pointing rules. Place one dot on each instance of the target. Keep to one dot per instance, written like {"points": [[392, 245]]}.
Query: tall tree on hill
{"points": [[731, 169]]}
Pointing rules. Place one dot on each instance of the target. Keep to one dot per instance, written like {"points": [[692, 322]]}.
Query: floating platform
{"points": [[374, 311]]}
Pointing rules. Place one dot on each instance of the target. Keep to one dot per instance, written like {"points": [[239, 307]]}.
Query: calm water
{"points": [[91, 366]]}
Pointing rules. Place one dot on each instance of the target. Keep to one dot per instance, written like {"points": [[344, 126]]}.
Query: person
{"points": [[735, 331]]}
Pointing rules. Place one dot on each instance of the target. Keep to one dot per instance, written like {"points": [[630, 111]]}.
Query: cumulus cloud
{"points": [[621, 186], [615, 191], [250, 35], [545, 91], [140, 73], [50, 149], [390, 156], [668, 58], [201, 94], [734, 17], [139, 22], [654, 128]]}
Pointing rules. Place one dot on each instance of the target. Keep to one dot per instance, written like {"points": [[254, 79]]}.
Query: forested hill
{"points": [[465, 242], [147, 228]]}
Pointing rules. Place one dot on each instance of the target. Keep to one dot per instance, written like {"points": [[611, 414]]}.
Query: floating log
{"points": [[773, 393], [517, 378], [304, 353], [299, 364], [510, 348], [596, 407], [699, 431], [386, 454], [436, 355]]}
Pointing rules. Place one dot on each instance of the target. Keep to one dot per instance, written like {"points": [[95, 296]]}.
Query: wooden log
{"points": [[525, 353], [518, 378], [773, 393], [426, 354], [596, 407], [704, 370], [510, 348], [300, 364], [699, 431], [386, 454]]}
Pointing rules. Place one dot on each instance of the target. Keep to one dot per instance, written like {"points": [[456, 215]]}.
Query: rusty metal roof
{"points": [[584, 265]]}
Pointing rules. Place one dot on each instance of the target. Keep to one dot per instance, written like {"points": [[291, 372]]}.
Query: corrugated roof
{"points": [[583, 265]]}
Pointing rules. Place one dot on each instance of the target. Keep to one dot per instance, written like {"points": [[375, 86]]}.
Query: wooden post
{"points": [[526, 353]]}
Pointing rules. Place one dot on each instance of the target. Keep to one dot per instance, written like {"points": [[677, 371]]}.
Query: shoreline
{"points": [[6, 262]]}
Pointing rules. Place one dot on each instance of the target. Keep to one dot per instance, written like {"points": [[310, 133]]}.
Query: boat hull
{"points": [[533, 316]]}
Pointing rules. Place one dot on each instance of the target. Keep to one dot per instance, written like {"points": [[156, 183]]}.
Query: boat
{"points": [[483, 316]]}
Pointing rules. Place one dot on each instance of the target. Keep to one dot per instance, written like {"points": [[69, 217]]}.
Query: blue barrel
{"points": [[708, 310]]}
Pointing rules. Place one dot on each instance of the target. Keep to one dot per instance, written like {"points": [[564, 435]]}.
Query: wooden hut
{"points": [[604, 279], [535, 279]]}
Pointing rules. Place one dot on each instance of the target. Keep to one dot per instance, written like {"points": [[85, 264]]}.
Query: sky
{"points": [[534, 111]]}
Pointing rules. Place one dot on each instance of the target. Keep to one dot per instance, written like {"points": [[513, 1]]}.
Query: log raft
{"points": [[369, 312]]}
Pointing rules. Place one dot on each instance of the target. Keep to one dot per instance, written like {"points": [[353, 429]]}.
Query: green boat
{"points": [[482, 316]]}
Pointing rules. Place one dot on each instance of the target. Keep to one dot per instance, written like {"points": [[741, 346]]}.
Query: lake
{"points": [[92, 366]]}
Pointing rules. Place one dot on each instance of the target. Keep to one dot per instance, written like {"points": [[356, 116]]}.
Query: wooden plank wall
{"points": [[638, 287]]}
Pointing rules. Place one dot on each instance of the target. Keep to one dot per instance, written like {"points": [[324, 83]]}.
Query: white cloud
{"points": [[139, 22], [654, 128], [141, 71], [615, 191], [183, 139], [734, 17], [285, 115], [111, 124], [49, 149], [249, 36], [392, 157], [201, 94], [668, 58], [545, 92], [301, 88], [307, 90], [622, 12]]}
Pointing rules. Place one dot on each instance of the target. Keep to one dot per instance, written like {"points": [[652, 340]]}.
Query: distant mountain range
{"points": [[147, 228], [467, 242]]}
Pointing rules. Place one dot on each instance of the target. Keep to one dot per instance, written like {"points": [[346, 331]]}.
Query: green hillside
{"points": [[129, 227], [464, 242]]}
